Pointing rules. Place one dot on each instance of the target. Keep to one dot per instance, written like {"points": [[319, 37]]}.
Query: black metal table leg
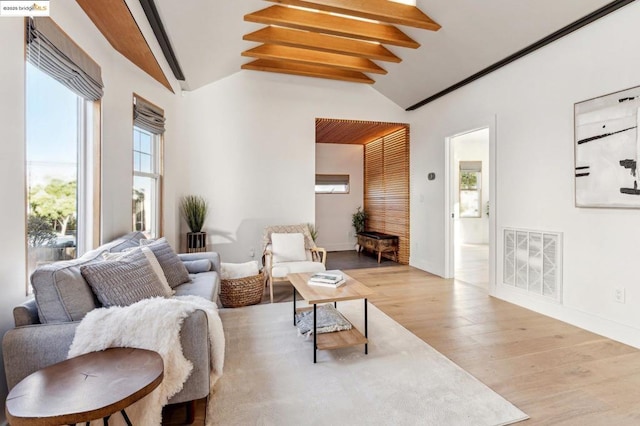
{"points": [[126, 418], [366, 328], [294, 306], [315, 341]]}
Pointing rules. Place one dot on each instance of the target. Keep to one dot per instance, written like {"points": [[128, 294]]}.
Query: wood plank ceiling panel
{"points": [[334, 25], [307, 70], [322, 42], [313, 57], [378, 10], [352, 131], [115, 21]]}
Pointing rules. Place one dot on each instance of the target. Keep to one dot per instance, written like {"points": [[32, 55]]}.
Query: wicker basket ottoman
{"points": [[242, 291]]}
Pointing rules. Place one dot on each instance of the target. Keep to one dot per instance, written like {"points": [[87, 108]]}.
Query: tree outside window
{"points": [[54, 114], [470, 189]]}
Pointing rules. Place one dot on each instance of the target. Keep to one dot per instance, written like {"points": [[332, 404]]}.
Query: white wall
{"points": [[333, 211], [473, 146], [533, 101], [121, 79], [249, 143], [12, 189]]}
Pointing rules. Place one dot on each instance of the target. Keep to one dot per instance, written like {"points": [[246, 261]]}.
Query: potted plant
{"points": [[358, 220], [313, 231], [194, 210]]}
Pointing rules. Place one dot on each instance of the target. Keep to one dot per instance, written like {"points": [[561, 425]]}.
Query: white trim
{"points": [[618, 331]]}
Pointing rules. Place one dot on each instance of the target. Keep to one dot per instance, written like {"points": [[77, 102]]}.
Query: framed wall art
{"points": [[607, 150]]}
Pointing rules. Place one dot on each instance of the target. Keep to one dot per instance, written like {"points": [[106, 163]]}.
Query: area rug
{"points": [[270, 379]]}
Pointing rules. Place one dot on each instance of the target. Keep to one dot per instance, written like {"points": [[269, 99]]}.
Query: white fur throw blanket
{"points": [[152, 324]]}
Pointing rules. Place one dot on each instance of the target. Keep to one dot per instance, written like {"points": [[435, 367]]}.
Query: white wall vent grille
{"points": [[533, 262]]}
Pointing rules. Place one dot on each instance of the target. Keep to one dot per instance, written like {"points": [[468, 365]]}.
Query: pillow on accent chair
{"points": [[124, 281], [288, 247]]}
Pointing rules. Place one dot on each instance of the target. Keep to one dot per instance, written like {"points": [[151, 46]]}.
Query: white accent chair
{"points": [[289, 249]]}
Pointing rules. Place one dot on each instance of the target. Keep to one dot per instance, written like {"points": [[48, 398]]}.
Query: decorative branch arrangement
{"points": [[194, 210]]}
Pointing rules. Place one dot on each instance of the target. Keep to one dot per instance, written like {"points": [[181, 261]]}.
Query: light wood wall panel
{"points": [[386, 188]]}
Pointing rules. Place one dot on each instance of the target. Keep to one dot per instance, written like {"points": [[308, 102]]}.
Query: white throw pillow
{"points": [[288, 247], [155, 265]]}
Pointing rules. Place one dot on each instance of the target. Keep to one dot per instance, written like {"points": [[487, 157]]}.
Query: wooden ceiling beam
{"points": [[378, 10], [333, 25], [307, 70], [115, 21], [322, 42], [313, 57]]}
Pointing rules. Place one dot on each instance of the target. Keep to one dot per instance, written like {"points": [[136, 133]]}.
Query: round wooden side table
{"points": [[88, 387]]}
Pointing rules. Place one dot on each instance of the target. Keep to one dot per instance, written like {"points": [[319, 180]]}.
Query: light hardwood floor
{"points": [[472, 264], [557, 373]]}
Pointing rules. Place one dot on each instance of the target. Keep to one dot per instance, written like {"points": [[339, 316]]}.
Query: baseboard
{"points": [[425, 266], [596, 324], [340, 247]]}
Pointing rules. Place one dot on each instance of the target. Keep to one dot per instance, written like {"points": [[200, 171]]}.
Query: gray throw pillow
{"points": [[124, 281], [197, 266], [172, 266]]}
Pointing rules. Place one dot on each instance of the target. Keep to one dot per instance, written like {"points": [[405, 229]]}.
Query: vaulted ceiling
{"points": [[207, 37]]}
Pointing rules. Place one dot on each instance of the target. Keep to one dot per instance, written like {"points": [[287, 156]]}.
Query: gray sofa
{"points": [[45, 325]]}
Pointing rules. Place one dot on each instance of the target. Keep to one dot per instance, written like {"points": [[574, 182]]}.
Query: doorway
{"points": [[469, 207]]}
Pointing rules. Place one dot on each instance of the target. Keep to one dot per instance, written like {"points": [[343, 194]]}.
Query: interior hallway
{"points": [[472, 264]]}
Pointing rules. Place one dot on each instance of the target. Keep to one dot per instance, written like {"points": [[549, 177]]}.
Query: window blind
{"points": [[53, 52], [148, 116]]}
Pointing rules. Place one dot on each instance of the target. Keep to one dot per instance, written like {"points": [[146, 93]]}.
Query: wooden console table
{"points": [[378, 242], [88, 387]]}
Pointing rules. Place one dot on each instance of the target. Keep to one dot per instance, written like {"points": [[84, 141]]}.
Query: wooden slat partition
{"points": [[386, 188]]}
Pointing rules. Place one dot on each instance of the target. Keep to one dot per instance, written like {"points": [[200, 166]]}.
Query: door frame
{"points": [[449, 225]]}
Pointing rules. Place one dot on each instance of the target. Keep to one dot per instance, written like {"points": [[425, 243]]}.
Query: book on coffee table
{"points": [[327, 284], [327, 278]]}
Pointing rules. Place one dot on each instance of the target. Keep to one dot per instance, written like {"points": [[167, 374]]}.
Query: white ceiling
{"points": [[207, 39]]}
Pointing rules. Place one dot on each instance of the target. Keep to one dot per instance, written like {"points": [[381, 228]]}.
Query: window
{"points": [[470, 188], [332, 184], [147, 167], [146, 182], [62, 146], [61, 220]]}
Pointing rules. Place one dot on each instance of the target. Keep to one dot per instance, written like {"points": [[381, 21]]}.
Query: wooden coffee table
{"points": [[88, 387], [313, 295]]}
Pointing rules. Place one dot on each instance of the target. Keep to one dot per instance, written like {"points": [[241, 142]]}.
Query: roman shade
{"points": [[148, 116], [50, 50], [332, 179], [471, 166]]}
